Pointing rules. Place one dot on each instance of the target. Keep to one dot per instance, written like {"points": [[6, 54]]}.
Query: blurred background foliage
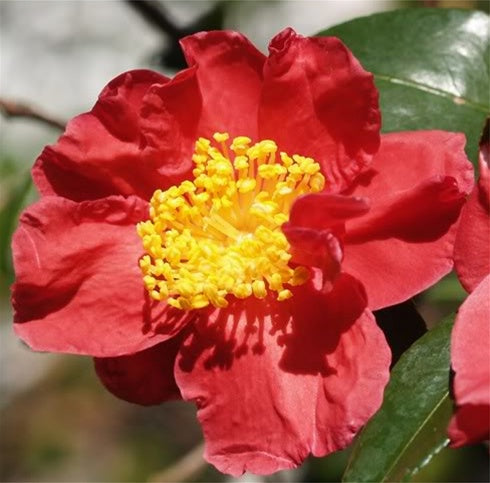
{"points": [[57, 423]]}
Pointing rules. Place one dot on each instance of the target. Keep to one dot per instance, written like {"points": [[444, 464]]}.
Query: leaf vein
{"points": [[415, 434], [433, 90]]}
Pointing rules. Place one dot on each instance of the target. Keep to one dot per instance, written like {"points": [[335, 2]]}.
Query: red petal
{"points": [[469, 425], [111, 150], [471, 252], [79, 287], [406, 158], [325, 210], [404, 244], [275, 381], [470, 360], [318, 101], [315, 223], [315, 248], [230, 78], [146, 377]]}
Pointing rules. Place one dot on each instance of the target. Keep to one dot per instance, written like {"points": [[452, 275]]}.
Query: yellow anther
{"points": [[221, 136], [227, 282], [185, 288], [199, 158], [259, 289], [243, 290], [202, 145], [187, 187], [300, 276], [241, 162], [220, 302], [240, 145], [280, 218], [253, 152], [163, 289], [145, 263], [220, 234], [284, 295], [268, 146], [269, 171], [317, 182], [283, 189], [275, 281], [150, 282], [312, 167], [199, 301], [286, 160], [295, 171], [155, 295], [246, 185], [265, 209], [173, 302]]}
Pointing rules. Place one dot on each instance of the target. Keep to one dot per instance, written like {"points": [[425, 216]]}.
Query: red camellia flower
{"points": [[470, 339], [223, 236]]}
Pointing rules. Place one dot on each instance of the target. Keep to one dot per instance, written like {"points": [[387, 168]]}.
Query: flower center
{"points": [[221, 233]]}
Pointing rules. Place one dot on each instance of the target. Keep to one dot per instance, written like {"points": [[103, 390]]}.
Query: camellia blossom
{"points": [[470, 338], [223, 236]]}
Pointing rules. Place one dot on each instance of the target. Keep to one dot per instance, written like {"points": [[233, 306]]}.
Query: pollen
{"points": [[220, 234]]}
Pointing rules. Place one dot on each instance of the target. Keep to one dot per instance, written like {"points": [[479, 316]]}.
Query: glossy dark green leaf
{"points": [[411, 425], [431, 67]]}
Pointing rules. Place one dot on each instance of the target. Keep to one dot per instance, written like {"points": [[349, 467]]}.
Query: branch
{"points": [[184, 469], [154, 13], [16, 109]]}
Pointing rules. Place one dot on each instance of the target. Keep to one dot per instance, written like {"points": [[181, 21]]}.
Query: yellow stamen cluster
{"points": [[221, 233]]}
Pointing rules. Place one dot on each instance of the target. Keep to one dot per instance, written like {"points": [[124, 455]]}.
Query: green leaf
{"points": [[9, 212], [411, 425], [431, 67]]}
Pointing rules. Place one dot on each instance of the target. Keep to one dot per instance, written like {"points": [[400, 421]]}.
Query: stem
{"points": [[154, 13], [17, 109]]}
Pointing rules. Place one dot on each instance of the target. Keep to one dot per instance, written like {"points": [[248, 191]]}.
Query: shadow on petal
{"points": [[306, 327], [160, 318], [317, 322]]}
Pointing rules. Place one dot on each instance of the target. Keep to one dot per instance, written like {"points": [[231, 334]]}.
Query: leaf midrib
{"points": [[432, 90], [410, 441]]}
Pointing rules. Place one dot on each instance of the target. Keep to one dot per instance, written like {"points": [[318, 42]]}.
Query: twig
{"points": [[154, 13], [18, 109], [184, 469]]}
